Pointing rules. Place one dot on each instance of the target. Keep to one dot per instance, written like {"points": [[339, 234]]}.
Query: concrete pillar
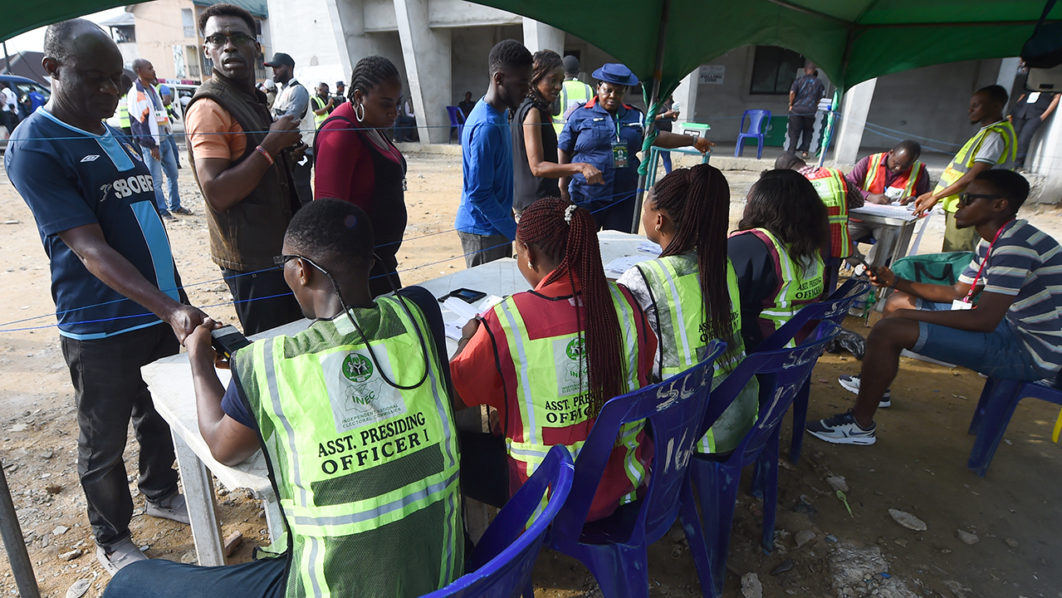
{"points": [[1008, 69], [540, 36], [1045, 160], [854, 108], [342, 16], [426, 53], [686, 96]]}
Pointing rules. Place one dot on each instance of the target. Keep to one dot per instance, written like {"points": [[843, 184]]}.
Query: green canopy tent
{"points": [[851, 40]]}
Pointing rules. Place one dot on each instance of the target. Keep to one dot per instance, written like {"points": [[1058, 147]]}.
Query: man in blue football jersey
{"points": [[113, 278]]}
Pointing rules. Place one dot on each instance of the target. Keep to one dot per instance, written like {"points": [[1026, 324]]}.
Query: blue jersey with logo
{"points": [[71, 178]]}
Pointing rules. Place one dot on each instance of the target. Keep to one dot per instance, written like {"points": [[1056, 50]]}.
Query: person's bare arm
{"points": [[230, 441], [540, 167], [792, 98], [926, 201], [668, 140], [225, 183], [564, 157], [938, 293], [1050, 108], [111, 267]]}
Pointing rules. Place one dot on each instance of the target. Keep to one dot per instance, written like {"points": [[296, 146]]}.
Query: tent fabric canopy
{"points": [[851, 40]]}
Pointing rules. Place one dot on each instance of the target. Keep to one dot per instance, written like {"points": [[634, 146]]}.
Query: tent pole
{"points": [[650, 127], [15, 546]]}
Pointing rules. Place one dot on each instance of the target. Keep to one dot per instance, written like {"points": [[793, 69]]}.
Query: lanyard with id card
{"points": [[619, 149], [967, 301]]}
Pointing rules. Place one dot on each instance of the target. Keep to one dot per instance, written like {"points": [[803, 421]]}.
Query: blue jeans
{"points": [[999, 354], [157, 578], [665, 157], [172, 142], [169, 164]]}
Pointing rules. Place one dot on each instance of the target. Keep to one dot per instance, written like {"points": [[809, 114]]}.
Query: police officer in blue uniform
{"points": [[608, 134]]}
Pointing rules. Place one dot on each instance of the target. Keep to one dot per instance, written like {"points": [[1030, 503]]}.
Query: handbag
{"points": [[1044, 49]]}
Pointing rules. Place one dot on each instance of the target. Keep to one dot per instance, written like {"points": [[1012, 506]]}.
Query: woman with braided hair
{"points": [[357, 163], [548, 359], [690, 292], [536, 173], [777, 252]]}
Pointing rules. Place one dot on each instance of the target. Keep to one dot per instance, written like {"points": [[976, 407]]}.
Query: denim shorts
{"points": [[999, 354]]}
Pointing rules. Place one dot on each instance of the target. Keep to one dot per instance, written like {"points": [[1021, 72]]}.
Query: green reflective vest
{"points": [[123, 114], [964, 160], [573, 93], [798, 284], [318, 103], [552, 370], [366, 474], [674, 283]]}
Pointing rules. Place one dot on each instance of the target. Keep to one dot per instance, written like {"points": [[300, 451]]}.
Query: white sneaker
{"points": [[172, 507], [843, 429], [851, 384], [121, 554]]}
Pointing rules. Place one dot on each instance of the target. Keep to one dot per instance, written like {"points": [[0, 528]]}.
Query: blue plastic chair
{"points": [[758, 120], [615, 548], [781, 374], [996, 406], [834, 309], [505, 556], [456, 122]]}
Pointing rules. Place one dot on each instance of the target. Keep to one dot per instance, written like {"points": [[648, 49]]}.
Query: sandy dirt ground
{"points": [[1011, 521]]}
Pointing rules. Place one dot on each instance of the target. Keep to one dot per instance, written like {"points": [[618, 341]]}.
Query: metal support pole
{"points": [[11, 532], [654, 95]]}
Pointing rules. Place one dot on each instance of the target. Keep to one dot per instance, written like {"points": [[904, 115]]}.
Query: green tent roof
{"points": [[851, 40], [20, 16]]}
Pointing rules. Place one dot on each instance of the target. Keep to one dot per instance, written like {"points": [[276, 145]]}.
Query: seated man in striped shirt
{"points": [[1014, 332]]}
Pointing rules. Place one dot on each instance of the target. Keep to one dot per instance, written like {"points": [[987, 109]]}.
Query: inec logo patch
{"points": [[575, 349], [357, 391], [357, 368]]}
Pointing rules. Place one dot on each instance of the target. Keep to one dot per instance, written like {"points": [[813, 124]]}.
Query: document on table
{"points": [[458, 313], [649, 247], [890, 211], [621, 264]]}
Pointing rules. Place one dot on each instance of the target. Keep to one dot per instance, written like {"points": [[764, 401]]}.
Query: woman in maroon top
{"points": [[356, 162]]}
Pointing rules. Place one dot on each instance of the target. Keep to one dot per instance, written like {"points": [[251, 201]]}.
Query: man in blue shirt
{"points": [[1014, 332], [485, 216], [113, 278]]}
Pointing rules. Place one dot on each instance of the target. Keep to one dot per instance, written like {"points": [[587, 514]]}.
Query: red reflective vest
{"points": [[832, 188], [876, 170]]}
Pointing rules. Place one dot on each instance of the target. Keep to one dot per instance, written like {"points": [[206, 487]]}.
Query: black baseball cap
{"points": [[281, 58]]}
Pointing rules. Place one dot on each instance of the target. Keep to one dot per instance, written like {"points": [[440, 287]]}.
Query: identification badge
{"points": [[619, 154], [960, 304]]}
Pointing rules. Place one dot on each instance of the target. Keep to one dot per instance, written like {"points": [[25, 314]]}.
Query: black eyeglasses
{"points": [[966, 199], [236, 37]]}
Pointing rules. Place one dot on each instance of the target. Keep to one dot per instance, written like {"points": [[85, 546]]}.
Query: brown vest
{"points": [[248, 235]]}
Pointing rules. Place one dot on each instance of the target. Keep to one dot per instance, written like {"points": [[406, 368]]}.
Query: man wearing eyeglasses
{"points": [[1011, 332], [354, 418], [242, 162]]}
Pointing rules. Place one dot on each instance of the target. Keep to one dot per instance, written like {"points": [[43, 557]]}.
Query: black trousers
{"points": [[800, 130], [1024, 129], [108, 392], [484, 467], [256, 313], [303, 175]]}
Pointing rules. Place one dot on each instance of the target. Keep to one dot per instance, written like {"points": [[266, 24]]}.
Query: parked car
{"points": [[23, 88]]}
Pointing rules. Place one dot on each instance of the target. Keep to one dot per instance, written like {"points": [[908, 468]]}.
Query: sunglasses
{"points": [[237, 38], [966, 199]]}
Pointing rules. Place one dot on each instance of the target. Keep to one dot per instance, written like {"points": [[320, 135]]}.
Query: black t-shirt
{"points": [[527, 187], [756, 280]]}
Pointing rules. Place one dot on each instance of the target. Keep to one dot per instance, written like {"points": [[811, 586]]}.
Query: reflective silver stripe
{"points": [[676, 304], [379, 511], [629, 336], [517, 333], [293, 454], [274, 398], [315, 548]]}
